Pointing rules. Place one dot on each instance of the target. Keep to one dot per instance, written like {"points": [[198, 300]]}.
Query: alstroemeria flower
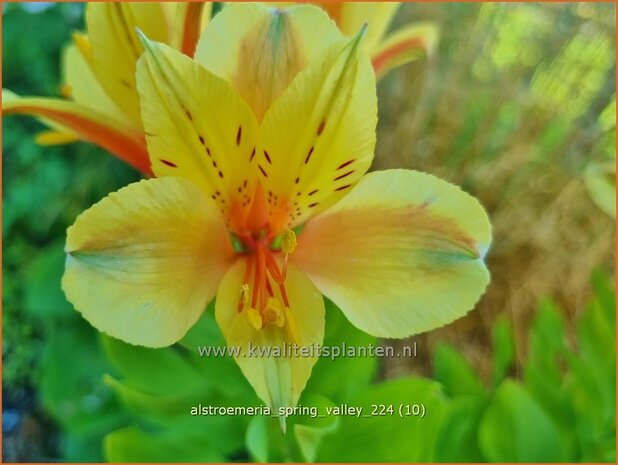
{"points": [[387, 51], [101, 104], [276, 132]]}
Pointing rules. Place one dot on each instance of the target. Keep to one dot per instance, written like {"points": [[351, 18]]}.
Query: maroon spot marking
{"points": [[201, 140], [267, 157], [188, 113], [314, 191], [214, 163], [263, 172], [343, 187], [217, 193], [168, 163], [220, 174], [309, 155], [126, 84], [321, 127], [314, 204], [208, 151], [343, 165], [239, 189], [238, 135], [252, 154], [296, 181], [344, 175], [213, 197], [244, 184]]}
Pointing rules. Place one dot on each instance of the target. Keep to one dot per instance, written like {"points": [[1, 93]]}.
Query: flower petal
{"points": [[378, 17], [85, 89], [197, 127], [144, 262], [278, 381], [116, 47], [403, 46], [317, 139], [190, 20], [401, 254], [90, 125], [260, 50]]}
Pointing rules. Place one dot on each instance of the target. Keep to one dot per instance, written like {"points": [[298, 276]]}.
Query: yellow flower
{"points": [[100, 102], [387, 51], [270, 129]]}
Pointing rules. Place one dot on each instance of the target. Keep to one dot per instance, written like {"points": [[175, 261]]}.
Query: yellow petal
{"points": [[144, 262], [197, 127], [378, 17], [403, 46], [260, 50], [116, 47], [401, 254], [190, 20], [86, 89], [318, 138], [278, 381], [88, 124]]}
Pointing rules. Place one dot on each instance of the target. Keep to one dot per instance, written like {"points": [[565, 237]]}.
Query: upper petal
{"points": [[318, 138], [260, 50], [401, 254], [277, 380], [116, 47], [190, 19], [197, 127], [84, 87], [144, 262], [377, 15]]}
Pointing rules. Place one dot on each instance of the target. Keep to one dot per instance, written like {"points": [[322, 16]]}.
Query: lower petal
{"points": [[277, 380], [144, 262], [402, 253]]}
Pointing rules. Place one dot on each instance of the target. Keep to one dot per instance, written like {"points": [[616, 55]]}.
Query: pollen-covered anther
{"points": [[288, 241], [273, 312]]}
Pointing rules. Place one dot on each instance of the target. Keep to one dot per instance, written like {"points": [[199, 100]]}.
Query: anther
{"points": [[254, 318], [273, 312], [288, 241]]}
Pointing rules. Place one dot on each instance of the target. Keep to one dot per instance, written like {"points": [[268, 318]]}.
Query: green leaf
{"points": [[256, 439], [455, 373], [388, 438], [309, 430], [456, 440], [71, 386], [132, 444], [44, 297], [514, 428], [343, 376], [543, 375], [156, 371], [503, 351]]}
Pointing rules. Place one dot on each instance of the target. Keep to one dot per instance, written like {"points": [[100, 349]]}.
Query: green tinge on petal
{"points": [[143, 263]]}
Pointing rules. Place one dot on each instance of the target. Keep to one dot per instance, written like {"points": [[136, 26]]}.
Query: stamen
{"points": [[254, 318], [288, 241], [273, 313], [244, 297]]}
